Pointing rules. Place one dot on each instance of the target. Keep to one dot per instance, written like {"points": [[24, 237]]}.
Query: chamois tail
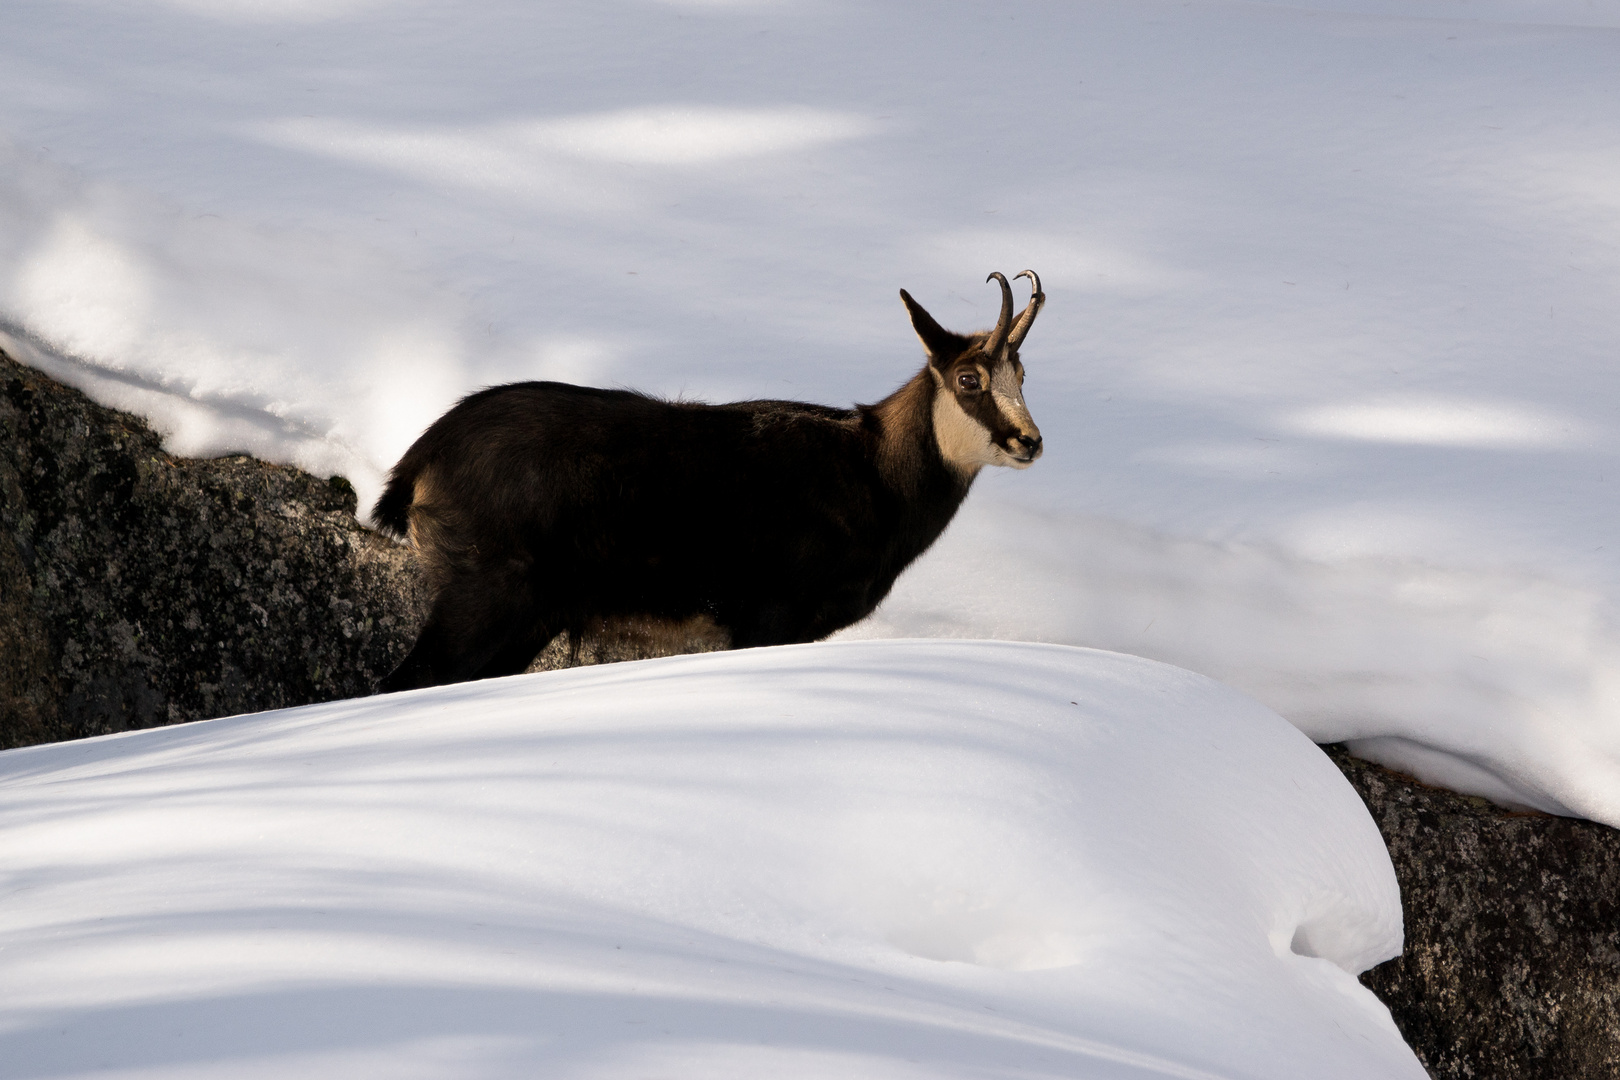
{"points": [[392, 512]]}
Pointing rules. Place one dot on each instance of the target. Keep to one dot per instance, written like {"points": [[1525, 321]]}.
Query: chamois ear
{"points": [[942, 345]]}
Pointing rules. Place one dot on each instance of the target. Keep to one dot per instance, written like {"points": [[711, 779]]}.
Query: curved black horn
{"points": [[998, 336], [1037, 300]]}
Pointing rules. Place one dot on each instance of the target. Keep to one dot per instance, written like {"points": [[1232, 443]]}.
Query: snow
{"points": [[865, 859], [1326, 377], [1327, 384]]}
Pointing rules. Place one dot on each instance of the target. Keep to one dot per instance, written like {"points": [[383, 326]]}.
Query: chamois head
{"points": [[979, 413]]}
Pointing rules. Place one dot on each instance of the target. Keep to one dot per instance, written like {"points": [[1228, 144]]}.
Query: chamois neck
{"points": [[908, 454]]}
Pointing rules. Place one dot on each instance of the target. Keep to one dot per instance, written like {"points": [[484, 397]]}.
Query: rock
{"points": [[1512, 963], [138, 589], [616, 640]]}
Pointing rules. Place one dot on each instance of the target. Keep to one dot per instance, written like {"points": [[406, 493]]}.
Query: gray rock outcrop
{"points": [[137, 588], [1512, 963]]}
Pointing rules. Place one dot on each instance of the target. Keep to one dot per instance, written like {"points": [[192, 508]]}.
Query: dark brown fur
{"points": [[540, 507]]}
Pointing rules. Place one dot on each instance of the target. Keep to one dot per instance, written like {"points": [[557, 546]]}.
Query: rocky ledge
{"points": [[139, 589], [1512, 963]]}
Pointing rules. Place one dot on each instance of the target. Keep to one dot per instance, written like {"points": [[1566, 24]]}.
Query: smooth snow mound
{"points": [[896, 859]]}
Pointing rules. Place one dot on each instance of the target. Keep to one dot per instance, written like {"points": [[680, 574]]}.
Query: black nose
{"points": [[1028, 443]]}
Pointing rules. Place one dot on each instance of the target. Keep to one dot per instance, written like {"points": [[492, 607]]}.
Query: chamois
{"points": [[540, 507]]}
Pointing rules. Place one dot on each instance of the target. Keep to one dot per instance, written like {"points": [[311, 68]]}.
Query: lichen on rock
{"points": [[1511, 969], [138, 588]]}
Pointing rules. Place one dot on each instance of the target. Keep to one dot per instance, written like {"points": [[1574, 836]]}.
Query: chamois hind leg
{"points": [[514, 655], [480, 627], [421, 665]]}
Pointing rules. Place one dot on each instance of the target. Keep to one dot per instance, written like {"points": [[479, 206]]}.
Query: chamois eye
{"points": [[968, 381]]}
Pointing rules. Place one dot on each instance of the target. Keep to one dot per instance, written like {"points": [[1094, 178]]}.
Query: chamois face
{"points": [[979, 413]]}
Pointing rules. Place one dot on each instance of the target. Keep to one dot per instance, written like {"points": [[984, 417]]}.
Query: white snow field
{"points": [[852, 859], [1327, 375]]}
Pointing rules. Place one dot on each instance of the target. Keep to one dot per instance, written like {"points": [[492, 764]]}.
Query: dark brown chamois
{"points": [[540, 507]]}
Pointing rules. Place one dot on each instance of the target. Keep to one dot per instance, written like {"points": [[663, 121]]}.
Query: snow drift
{"points": [[891, 859]]}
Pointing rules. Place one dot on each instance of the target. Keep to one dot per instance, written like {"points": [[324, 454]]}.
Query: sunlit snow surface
{"points": [[1327, 375], [885, 859]]}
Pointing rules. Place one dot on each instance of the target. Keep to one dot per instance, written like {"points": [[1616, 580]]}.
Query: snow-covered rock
{"points": [[1512, 959], [139, 589]]}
